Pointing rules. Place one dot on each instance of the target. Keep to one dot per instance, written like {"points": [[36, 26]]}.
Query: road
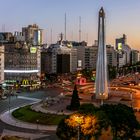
{"points": [[14, 101]]}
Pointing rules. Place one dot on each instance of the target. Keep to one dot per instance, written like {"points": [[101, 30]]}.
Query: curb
{"points": [[7, 118]]}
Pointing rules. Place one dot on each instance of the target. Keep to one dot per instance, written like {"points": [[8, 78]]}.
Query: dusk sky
{"points": [[122, 17]]}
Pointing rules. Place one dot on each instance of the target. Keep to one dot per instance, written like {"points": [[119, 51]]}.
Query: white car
{"points": [[4, 97]]}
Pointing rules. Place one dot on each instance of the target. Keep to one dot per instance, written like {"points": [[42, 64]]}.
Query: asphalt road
{"points": [[13, 102]]}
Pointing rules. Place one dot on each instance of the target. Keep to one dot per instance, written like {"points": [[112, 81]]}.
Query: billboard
{"points": [[33, 49], [79, 63], [119, 46], [25, 82]]}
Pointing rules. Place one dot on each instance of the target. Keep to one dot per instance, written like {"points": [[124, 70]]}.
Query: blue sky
{"points": [[122, 16]]}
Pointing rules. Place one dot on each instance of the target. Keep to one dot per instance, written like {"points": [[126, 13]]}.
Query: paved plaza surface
{"points": [[11, 125]]}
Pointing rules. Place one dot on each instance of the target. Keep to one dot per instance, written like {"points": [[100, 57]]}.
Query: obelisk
{"points": [[101, 83]]}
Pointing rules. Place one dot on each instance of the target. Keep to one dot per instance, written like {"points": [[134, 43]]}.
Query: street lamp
{"points": [[79, 120], [131, 97], [9, 101], [37, 123]]}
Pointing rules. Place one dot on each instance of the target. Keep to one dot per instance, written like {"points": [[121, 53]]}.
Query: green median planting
{"points": [[26, 114]]}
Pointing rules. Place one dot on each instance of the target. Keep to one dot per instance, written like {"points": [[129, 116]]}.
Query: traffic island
{"points": [[26, 114]]}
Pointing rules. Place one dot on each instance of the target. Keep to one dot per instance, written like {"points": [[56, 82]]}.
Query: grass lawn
{"points": [[28, 115]]}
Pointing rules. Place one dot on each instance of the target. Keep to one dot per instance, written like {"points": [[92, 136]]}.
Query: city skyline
{"points": [[121, 18]]}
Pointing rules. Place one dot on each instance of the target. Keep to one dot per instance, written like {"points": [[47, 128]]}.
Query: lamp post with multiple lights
{"points": [[79, 120]]}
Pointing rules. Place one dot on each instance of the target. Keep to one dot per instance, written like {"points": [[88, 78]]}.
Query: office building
{"points": [[32, 34], [135, 56], [80, 56], [123, 51], [89, 57], [20, 64], [111, 55], [61, 59]]}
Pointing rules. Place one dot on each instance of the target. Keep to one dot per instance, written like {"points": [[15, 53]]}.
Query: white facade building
{"points": [[1, 64], [80, 56], [67, 54], [135, 56], [89, 57], [19, 63]]}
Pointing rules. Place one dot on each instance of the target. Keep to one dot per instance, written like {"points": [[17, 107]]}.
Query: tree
{"points": [[122, 121], [64, 131], [93, 122], [90, 124], [87, 108], [75, 102], [112, 72]]}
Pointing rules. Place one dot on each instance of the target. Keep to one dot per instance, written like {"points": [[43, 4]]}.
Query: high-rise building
{"points": [[80, 56], [89, 58], [134, 56], [101, 82], [6, 37], [123, 51], [111, 55], [61, 59], [19, 63], [2, 64], [32, 34], [63, 63]]}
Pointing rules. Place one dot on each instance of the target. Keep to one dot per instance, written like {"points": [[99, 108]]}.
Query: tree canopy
{"points": [[122, 120], [93, 121]]}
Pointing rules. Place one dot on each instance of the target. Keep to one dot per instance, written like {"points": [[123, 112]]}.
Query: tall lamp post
{"points": [[9, 103], [79, 120], [37, 123], [9, 94], [130, 94]]}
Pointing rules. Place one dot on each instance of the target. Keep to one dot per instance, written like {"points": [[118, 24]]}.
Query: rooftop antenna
{"points": [[51, 35], [72, 36], [79, 28], [45, 32], [3, 28], [87, 37], [65, 26]]}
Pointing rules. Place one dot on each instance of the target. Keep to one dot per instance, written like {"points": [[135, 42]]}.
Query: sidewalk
{"points": [[57, 108], [22, 134], [7, 117]]}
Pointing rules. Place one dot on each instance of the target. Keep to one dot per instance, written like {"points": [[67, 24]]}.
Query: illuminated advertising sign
{"points": [[33, 49], [69, 45], [79, 63], [119, 46], [25, 82]]}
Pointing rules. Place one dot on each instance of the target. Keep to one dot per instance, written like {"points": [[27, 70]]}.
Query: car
{"points": [[18, 91], [4, 97]]}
